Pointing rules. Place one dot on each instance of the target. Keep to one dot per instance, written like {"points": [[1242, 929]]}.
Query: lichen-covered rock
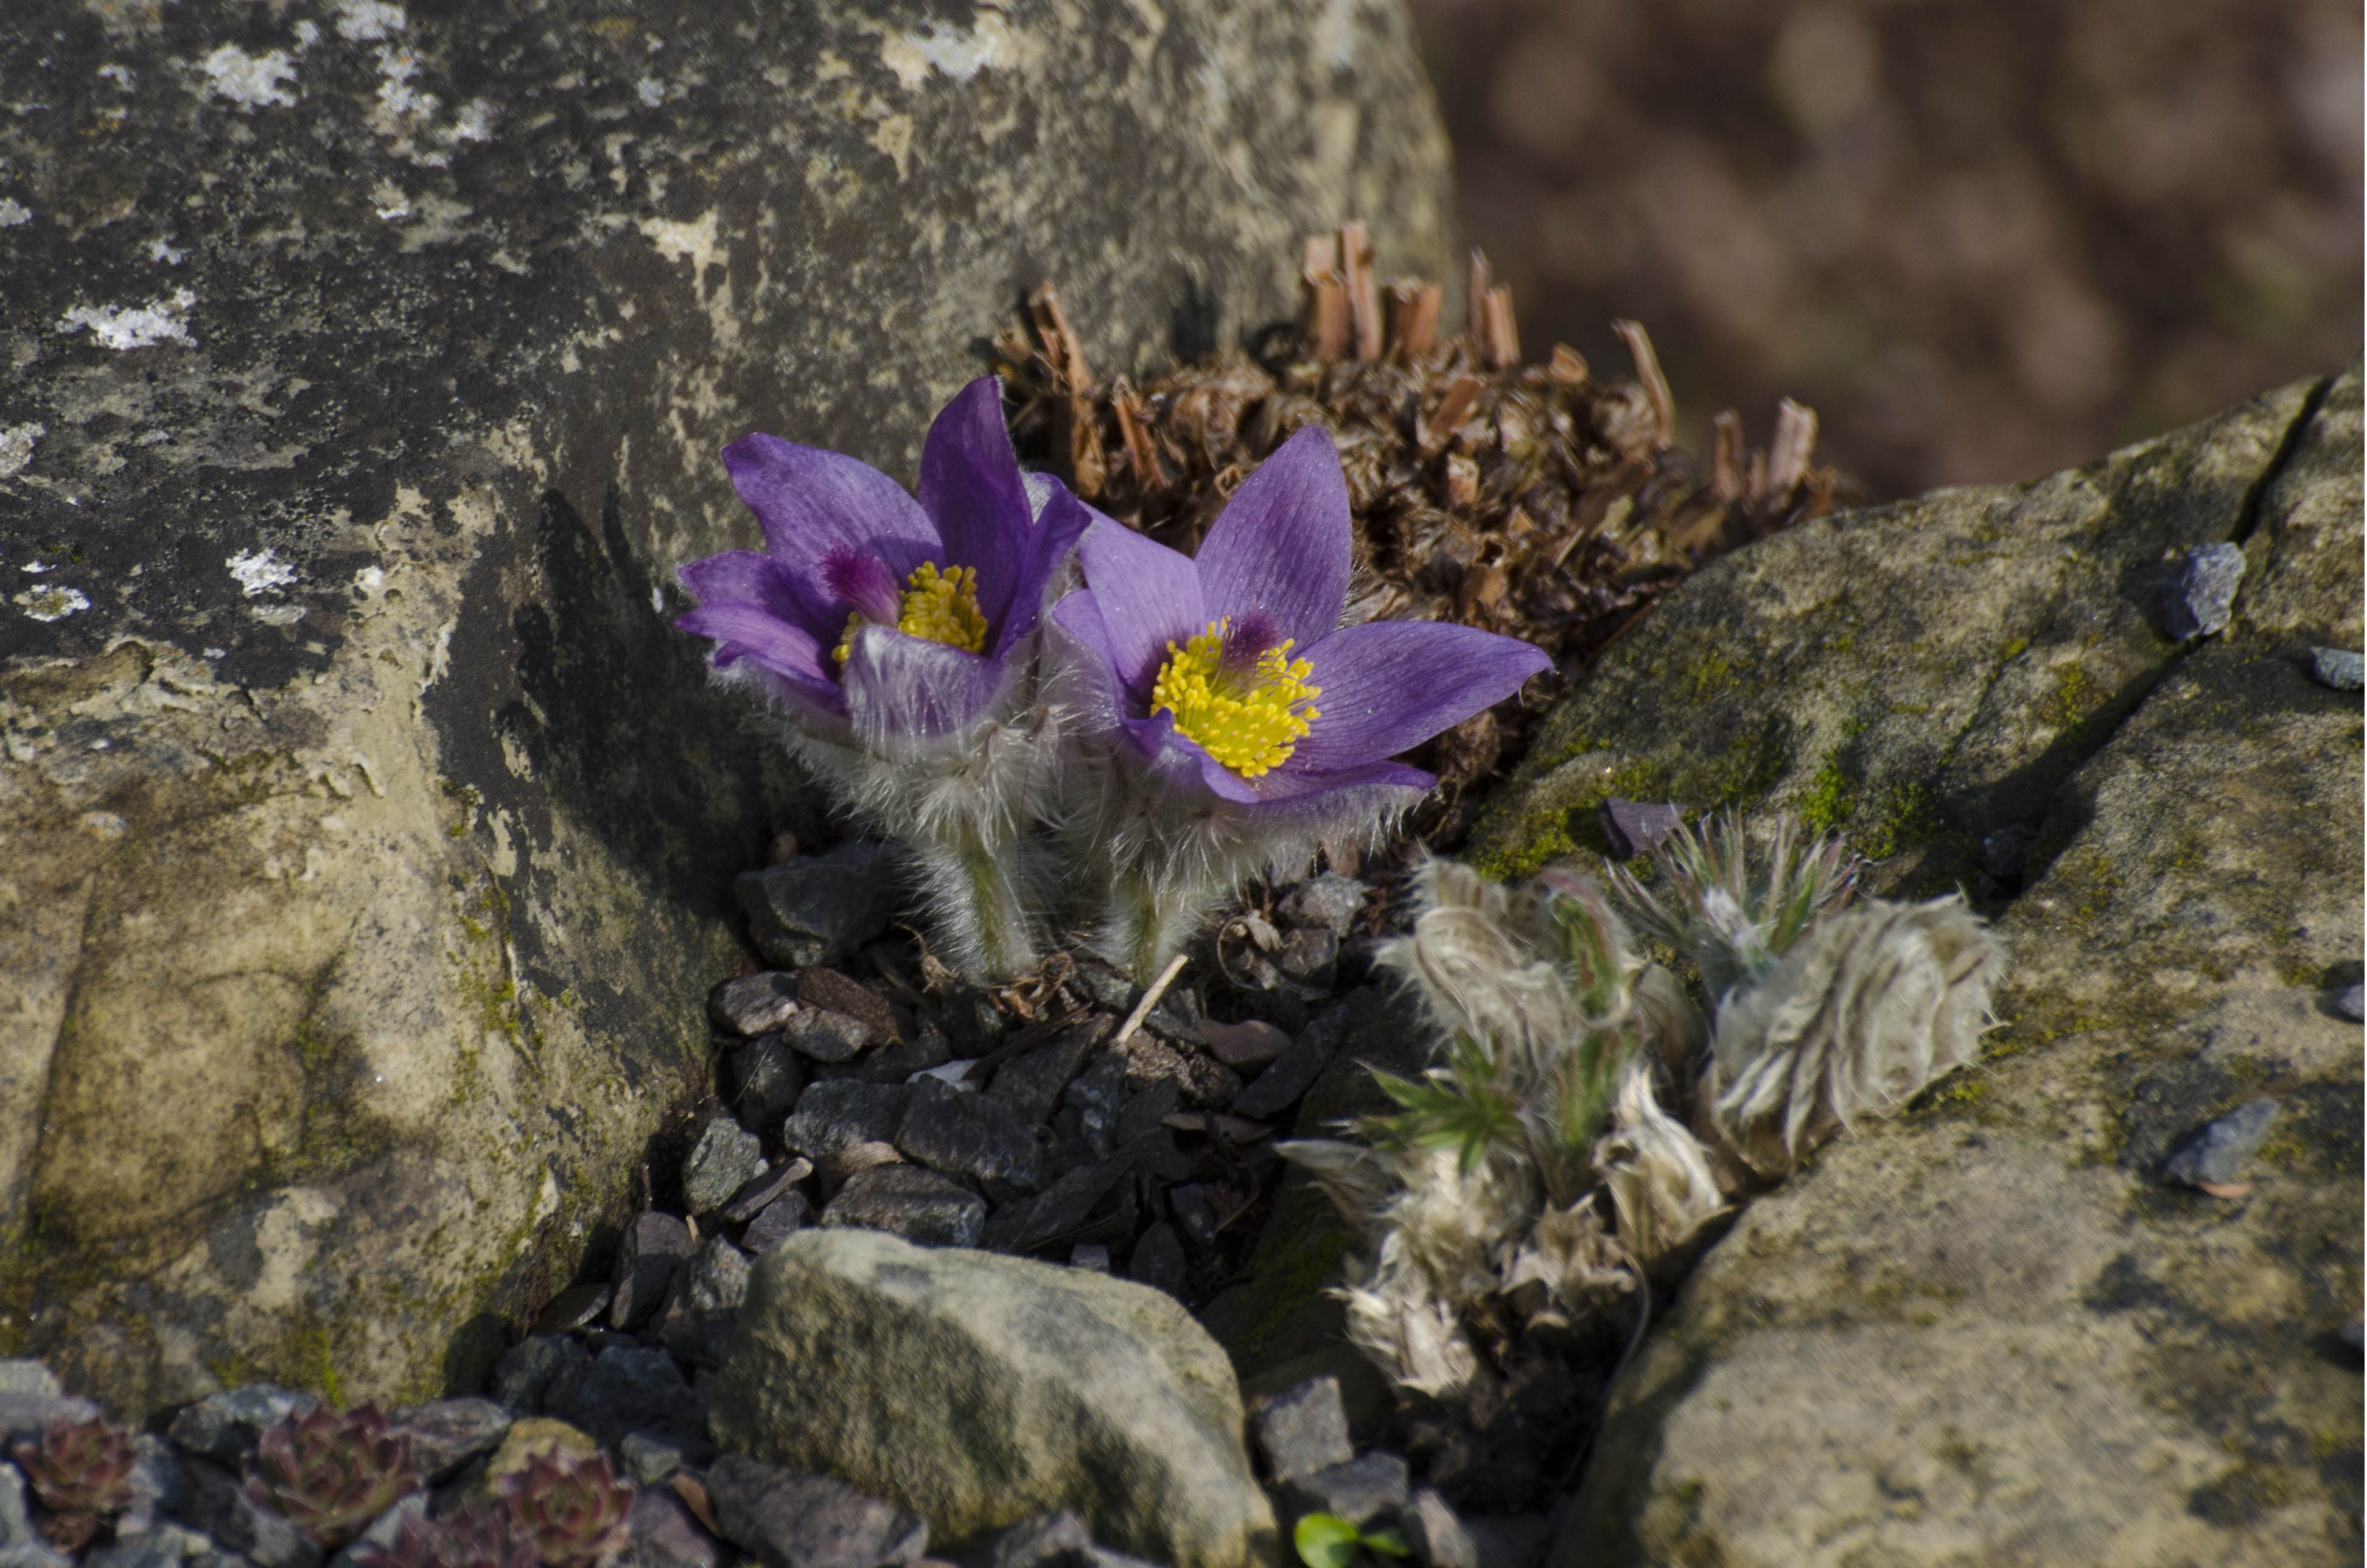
{"points": [[1990, 1332], [1916, 676], [369, 830], [978, 1390]]}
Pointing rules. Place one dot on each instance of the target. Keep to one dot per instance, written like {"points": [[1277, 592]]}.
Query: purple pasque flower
{"points": [[1240, 723], [869, 608], [1231, 672], [901, 635]]}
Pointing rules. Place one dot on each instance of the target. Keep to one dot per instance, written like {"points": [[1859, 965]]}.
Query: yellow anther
{"points": [[941, 607], [1249, 721]]}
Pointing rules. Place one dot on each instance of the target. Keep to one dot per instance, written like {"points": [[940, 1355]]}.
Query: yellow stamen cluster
{"points": [[1249, 725], [941, 607]]}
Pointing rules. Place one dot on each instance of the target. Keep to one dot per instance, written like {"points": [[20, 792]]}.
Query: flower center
{"points": [[1248, 713], [941, 607]]}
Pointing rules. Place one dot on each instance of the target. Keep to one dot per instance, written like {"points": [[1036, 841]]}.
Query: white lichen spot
{"points": [[103, 825], [369, 21], [388, 200], [308, 33], [651, 91], [474, 122], [53, 601], [16, 446], [134, 326], [166, 252], [277, 615], [260, 571], [893, 136], [13, 213], [952, 53], [251, 80], [369, 579], [119, 74]]}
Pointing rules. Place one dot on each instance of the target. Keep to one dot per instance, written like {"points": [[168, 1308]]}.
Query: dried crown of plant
{"points": [[331, 1473], [80, 1467], [571, 1508]]}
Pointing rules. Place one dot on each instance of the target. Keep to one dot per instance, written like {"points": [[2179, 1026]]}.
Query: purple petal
{"points": [[745, 631], [1281, 545], [1389, 685], [1148, 594], [970, 488], [1181, 762], [905, 687], [861, 580], [745, 577], [1060, 523], [1291, 783], [809, 500]]}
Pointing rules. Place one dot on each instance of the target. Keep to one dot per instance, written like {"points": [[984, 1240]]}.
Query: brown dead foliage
{"points": [[1542, 501]]}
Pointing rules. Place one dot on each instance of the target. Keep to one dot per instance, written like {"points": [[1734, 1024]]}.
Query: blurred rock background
{"points": [[1985, 239]]}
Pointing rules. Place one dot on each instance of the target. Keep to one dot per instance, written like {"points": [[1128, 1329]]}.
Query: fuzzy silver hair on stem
{"points": [[1490, 1195]]}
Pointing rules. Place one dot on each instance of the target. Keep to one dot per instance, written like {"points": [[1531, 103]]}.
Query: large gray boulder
{"points": [[366, 832], [1992, 1331], [980, 1389]]}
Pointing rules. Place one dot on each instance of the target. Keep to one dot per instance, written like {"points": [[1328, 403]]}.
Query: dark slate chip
{"points": [[703, 1303], [828, 988], [726, 1158], [790, 1519], [652, 1245], [1290, 1075], [1367, 1491], [629, 1388], [1158, 1259], [964, 1134], [2337, 668], [817, 909], [785, 1216], [758, 1195], [1030, 1083], [447, 1433], [1246, 1046], [219, 1505], [826, 1035], [574, 1307], [910, 1201], [1637, 827], [753, 1004], [528, 1371], [763, 1078], [840, 1113], [2202, 591], [1046, 1540], [2217, 1152], [1303, 1430], [2005, 854], [224, 1427]]}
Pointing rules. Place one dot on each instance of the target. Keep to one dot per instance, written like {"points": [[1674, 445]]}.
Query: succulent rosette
{"points": [[331, 1473], [572, 1509], [897, 633], [1241, 722]]}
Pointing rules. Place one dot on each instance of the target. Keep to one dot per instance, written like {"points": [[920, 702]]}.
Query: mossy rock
{"points": [[1987, 1332], [368, 829]]}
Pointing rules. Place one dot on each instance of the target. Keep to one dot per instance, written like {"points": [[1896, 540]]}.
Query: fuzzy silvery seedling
{"points": [[1489, 1193], [897, 635], [1232, 723], [1825, 1012]]}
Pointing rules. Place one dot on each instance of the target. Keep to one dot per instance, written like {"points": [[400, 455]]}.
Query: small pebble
{"points": [[1637, 827], [2353, 1004], [2213, 1156], [2202, 591], [785, 1216], [574, 1307], [2337, 668], [726, 1158], [758, 1195], [1090, 1254], [2005, 854]]}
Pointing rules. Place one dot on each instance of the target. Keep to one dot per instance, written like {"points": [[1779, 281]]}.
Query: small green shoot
{"points": [[1327, 1541]]}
